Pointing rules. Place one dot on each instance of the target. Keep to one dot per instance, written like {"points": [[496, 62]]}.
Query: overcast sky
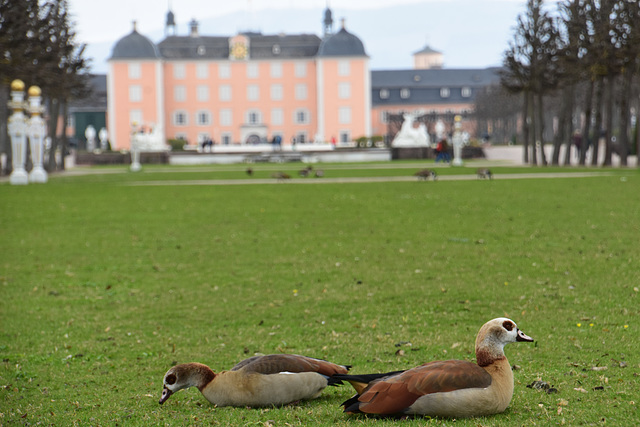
{"points": [[470, 33]]}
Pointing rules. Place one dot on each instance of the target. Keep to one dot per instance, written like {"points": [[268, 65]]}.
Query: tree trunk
{"points": [[534, 129], [568, 129], [597, 132], [5, 139], [64, 143], [54, 112], [608, 124], [586, 126], [543, 156], [559, 135], [625, 111], [525, 128]]}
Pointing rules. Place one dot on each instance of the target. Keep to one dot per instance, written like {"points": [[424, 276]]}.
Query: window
{"points": [[225, 93], [345, 136], [135, 71], [179, 71], [384, 117], [344, 68], [301, 116], [180, 93], [344, 115], [135, 93], [201, 50], [202, 71], [202, 93], [253, 92], [224, 71], [405, 93], [226, 117], [254, 117], [301, 92], [301, 138], [135, 117], [300, 69], [384, 93], [344, 90], [275, 49], [445, 92], [226, 138], [276, 70], [277, 117], [203, 118], [252, 70], [276, 92], [180, 118], [466, 92]]}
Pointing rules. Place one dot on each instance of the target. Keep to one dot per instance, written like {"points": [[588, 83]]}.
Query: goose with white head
{"points": [[451, 388]]}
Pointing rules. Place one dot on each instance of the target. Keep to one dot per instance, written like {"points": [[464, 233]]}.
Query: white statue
{"points": [[103, 135], [458, 141], [409, 136], [440, 128], [90, 134], [149, 141]]}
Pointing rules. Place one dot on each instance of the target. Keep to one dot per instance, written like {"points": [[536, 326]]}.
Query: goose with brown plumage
{"points": [[275, 379], [452, 388]]}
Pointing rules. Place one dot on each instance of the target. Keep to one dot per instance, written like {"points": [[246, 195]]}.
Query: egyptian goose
{"points": [[275, 379], [425, 174], [451, 388], [484, 173]]}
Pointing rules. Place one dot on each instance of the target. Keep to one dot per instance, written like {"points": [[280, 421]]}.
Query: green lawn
{"points": [[104, 285]]}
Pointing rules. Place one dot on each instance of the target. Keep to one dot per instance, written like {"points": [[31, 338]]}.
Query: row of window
{"points": [[224, 70], [301, 116], [203, 92], [445, 92]]}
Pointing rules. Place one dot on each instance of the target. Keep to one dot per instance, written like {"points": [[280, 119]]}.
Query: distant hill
{"points": [[472, 36]]}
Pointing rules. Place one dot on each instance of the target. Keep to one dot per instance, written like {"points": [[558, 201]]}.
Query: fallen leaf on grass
{"points": [[580, 389]]}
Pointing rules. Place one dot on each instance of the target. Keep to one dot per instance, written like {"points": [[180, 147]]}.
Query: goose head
{"points": [[184, 376], [492, 338]]}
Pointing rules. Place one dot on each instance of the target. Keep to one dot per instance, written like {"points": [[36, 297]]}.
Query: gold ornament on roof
{"points": [[34, 91], [17, 85]]}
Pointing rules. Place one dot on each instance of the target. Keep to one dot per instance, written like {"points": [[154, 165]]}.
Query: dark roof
{"points": [[427, 49], [342, 43], [424, 86], [260, 46], [134, 45], [439, 77]]}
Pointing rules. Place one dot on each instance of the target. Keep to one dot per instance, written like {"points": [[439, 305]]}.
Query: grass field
{"points": [[105, 284]]}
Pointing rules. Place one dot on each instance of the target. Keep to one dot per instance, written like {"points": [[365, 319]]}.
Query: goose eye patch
{"points": [[171, 379], [508, 326]]}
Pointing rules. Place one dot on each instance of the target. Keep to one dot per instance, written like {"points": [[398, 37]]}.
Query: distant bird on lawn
{"points": [[425, 174], [276, 379], [484, 173], [280, 176], [452, 388], [249, 171], [319, 173]]}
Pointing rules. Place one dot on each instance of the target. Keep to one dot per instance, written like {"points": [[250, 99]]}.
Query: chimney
{"points": [[194, 28]]}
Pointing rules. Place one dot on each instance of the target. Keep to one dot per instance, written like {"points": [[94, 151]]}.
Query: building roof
{"points": [[134, 45], [440, 77], [260, 46], [420, 87], [342, 43], [425, 50]]}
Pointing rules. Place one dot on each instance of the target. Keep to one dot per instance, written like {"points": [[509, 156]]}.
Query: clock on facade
{"points": [[239, 50]]}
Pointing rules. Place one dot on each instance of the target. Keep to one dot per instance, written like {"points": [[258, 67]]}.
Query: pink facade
{"points": [[235, 99]]}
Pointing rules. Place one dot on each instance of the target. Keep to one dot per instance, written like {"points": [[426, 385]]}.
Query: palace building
{"points": [[241, 89], [251, 87]]}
